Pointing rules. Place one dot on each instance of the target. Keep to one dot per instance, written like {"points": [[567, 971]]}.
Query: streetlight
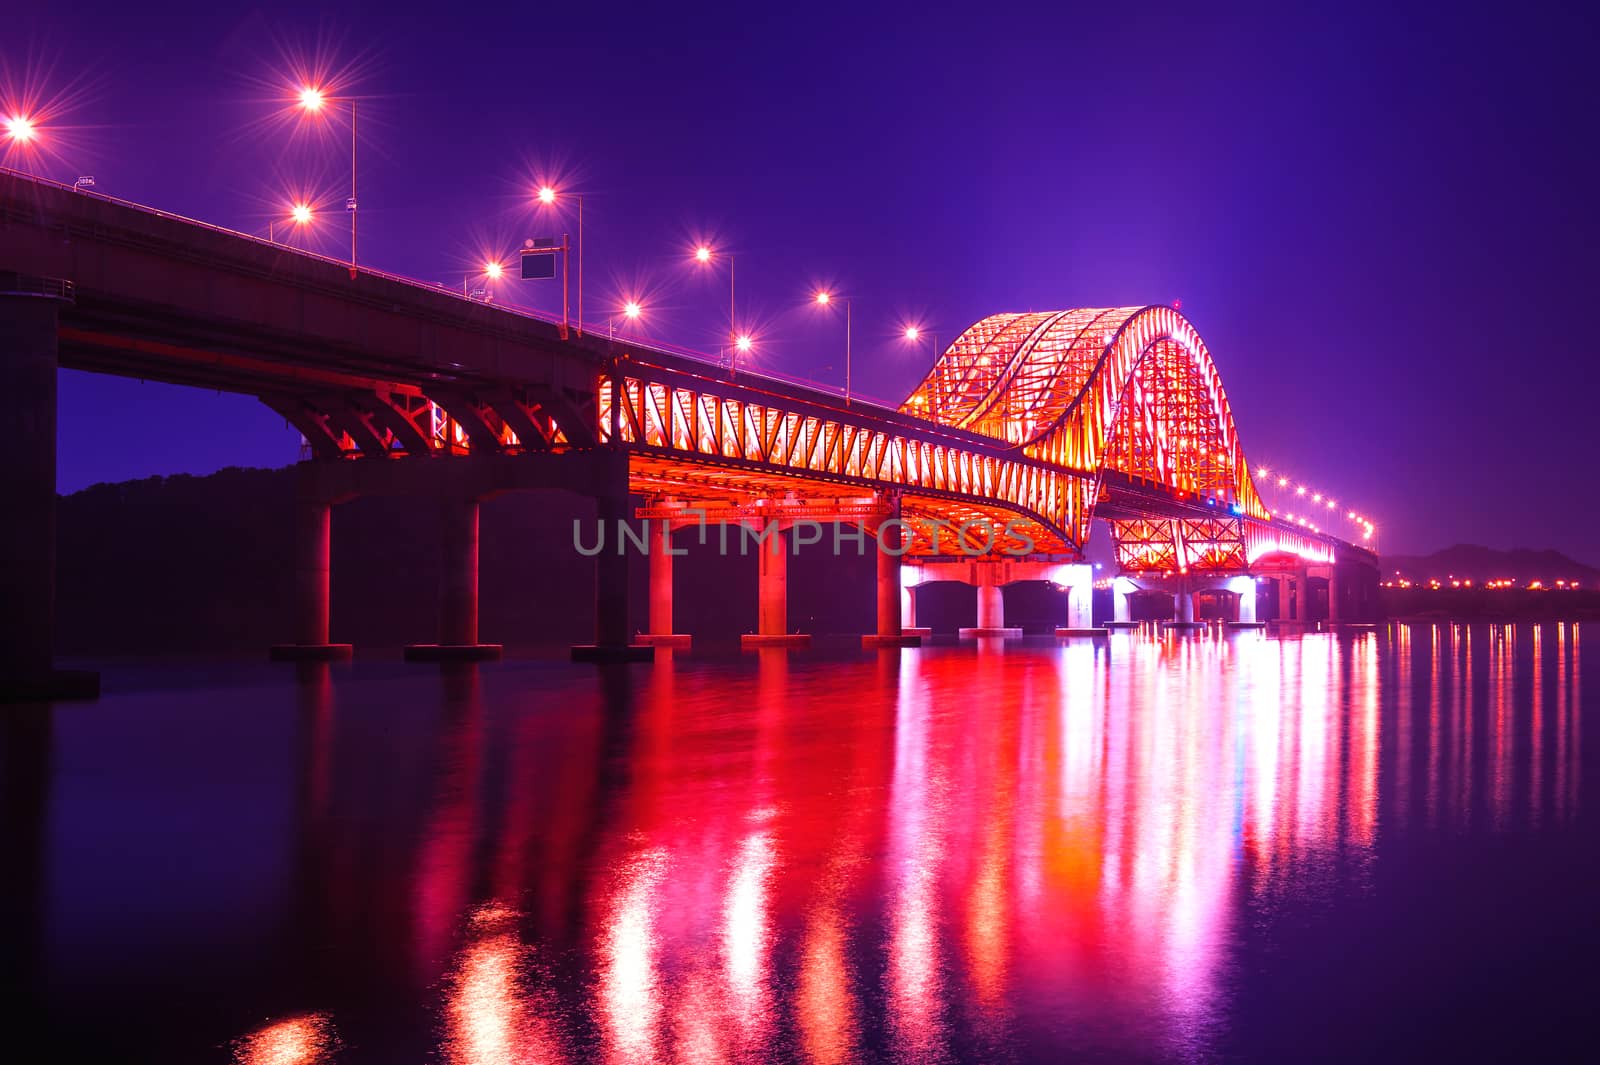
{"points": [[703, 256], [492, 270], [913, 333], [547, 196], [21, 128], [22, 132], [300, 214], [825, 298], [631, 310], [313, 101]]}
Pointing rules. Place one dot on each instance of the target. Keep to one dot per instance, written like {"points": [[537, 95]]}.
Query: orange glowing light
{"points": [[824, 297], [21, 129], [547, 194], [300, 213], [306, 1040], [912, 332], [493, 270], [312, 99], [702, 254], [1283, 482], [632, 309], [744, 343]]}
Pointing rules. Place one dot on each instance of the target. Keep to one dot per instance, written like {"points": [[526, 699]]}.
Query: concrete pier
{"points": [[891, 630], [772, 594], [458, 590], [991, 610], [1078, 581], [660, 623], [312, 542], [611, 568], [29, 308]]}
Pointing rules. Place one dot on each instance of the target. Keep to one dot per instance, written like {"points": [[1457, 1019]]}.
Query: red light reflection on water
{"points": [[493, 1017], [304, 1040], [815, 860]]}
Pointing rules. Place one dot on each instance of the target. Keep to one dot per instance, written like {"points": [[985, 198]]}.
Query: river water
{"points": [[1154, 848]]}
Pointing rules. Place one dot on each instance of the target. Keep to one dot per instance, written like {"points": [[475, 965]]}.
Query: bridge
{"points": [[1028, 428]]}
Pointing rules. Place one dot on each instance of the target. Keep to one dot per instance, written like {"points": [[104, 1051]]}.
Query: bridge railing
{"points": [[520, 310]]}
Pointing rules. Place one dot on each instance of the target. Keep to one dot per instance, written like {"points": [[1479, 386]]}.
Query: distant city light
{"points": [[21, 129], [312, 99], [743, 343], [547, 194]]}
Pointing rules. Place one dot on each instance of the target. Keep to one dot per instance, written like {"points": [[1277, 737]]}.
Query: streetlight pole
{"points": [[580, 264], [703, 256], [824, 298], [313, 100], [547, 195], [352, 204]]}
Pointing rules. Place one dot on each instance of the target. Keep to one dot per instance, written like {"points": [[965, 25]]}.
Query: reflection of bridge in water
{"points": [[1027, 428], [1023, 831]]}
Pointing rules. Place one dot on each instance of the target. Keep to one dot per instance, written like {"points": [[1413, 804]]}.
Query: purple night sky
{"points": [[1382, 224]]}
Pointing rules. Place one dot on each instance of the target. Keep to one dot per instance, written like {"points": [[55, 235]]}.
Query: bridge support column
{"points": [[910, 581], [772, 593], [891, 631], [1122, 589], [28, 364], [661, 554], [458, 589], [1333, 595], [1294, 605], [991, 605], [611, 571], [313, 521], [1078, 579], [1183, 601], [1244, 587]]}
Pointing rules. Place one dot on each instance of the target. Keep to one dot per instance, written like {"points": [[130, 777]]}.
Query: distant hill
{"points": [[1477, 563], [182, 564]]}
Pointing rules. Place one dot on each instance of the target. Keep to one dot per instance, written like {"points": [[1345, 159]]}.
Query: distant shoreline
{"points": [[1483, 604]]}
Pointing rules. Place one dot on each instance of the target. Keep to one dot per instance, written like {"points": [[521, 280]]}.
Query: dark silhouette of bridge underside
{"points": [[1027, 428]]}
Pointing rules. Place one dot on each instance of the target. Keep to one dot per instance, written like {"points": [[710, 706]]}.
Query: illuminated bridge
{"points": [[1027, 429]]}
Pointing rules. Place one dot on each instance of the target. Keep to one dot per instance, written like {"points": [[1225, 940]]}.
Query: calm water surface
{"points": [[1166, 849]]}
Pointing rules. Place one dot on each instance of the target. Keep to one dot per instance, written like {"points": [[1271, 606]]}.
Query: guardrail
{"points": [[15, 284], [437, 288]]}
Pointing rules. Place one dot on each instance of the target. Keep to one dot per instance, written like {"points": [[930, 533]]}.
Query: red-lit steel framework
{"points": [[1041, 420], [1025, 429]]}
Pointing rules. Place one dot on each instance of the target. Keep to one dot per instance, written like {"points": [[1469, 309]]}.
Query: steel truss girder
{"points": [[678, 421]]}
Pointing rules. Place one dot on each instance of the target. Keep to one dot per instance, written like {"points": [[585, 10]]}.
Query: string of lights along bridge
{"points": [[1029, 427]]}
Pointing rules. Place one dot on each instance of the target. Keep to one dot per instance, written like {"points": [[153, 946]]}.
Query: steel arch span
{"points": [[1027, 428], [1127, 391]]}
